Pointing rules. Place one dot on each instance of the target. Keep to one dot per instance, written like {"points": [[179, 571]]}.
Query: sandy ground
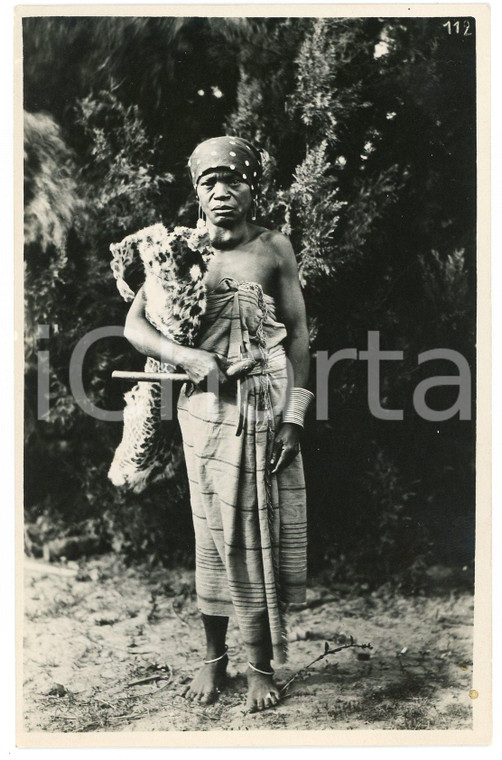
{"points": [[93, 630]]}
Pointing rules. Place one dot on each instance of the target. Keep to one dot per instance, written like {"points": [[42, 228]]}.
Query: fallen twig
{"points": [[101, 701], [326, 653], [135, 716], [177, 614], [65, 716], [149, 679]]}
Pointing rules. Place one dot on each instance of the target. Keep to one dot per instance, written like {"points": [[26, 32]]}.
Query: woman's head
{"points": [[226, 172], [227, 152], [224, 196]]}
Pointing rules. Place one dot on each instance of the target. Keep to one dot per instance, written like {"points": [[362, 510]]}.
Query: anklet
{"points": [[263, 672], [216, 659]]}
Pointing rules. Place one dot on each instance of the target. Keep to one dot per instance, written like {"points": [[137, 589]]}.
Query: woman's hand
{"points": [[200, 366], [286, 446]]}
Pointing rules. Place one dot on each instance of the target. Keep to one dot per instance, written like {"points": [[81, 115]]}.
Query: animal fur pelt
{"points": [[172, 266]]}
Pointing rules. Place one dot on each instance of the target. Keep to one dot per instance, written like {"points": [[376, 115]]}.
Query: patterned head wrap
{"points": [[231, 153]]}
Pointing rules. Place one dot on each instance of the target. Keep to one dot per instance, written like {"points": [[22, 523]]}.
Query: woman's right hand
{"points": [[200, 366]]}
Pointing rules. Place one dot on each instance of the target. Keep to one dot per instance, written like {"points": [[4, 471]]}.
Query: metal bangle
{"points": [[263, 672], [216, 659]]}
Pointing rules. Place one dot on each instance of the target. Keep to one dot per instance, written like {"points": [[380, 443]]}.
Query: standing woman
{"points": [[241, 438]]}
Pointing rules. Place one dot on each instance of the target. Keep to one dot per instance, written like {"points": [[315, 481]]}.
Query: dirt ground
{"points": [[107, 648]]}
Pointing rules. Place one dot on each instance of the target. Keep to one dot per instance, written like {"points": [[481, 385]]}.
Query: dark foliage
{"points": [[370, 127]]}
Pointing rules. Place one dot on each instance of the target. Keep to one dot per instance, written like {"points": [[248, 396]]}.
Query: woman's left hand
{"points": [[286, 446]]}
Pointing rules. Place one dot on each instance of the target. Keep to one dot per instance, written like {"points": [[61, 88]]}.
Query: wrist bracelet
{"points": [[298, 404]]}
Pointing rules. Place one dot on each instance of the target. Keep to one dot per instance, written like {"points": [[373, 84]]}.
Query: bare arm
{"points": [[149, 341], [291, 307], [145, 337]]}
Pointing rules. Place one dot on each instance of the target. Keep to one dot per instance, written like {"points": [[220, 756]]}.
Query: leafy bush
{"points": [[382, 245], [369, 128]]}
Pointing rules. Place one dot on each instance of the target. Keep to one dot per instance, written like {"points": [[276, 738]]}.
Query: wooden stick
{"points": [[235, 370], [150, 377]]}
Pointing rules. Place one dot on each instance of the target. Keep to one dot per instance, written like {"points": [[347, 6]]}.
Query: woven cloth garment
{"points": [[250, 526], [171, 266]]}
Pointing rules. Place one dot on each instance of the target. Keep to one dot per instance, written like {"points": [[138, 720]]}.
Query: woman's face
{"points": [[224, 197]]}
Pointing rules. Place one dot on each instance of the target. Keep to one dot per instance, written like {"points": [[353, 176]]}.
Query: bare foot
{"points": [[262, 691], [207, 684]]}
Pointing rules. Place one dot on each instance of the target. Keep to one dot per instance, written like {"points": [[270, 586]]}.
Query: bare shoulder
{"points": [[278, 244]]}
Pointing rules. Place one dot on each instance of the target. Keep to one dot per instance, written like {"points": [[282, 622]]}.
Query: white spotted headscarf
{"points": [[232, 153]]}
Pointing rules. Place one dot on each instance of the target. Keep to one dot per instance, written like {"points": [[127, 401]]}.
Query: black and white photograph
{"points": [[253, 448]]}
